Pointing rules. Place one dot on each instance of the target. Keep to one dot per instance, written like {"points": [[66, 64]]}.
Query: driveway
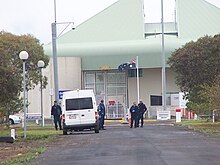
{"points": [[157, 143]]}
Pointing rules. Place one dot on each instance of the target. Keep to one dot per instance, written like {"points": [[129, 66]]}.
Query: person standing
{"points": [[56, 112], [101, 111], [134, 115], [142, 110]]}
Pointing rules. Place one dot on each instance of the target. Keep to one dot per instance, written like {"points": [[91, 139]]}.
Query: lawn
{"points": [[203, 126], [23, 150]]}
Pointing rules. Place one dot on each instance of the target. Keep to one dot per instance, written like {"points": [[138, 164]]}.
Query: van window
{"points": [[79, 104]]}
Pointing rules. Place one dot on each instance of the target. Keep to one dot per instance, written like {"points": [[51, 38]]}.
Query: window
{"points": [[133, 72], [79, 104], [156, 100]]}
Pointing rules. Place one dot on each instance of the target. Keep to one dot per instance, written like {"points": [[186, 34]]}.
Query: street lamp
{"points": [[40, 65], [23, 55]]}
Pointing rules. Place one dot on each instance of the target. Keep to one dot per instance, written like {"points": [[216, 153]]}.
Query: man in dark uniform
{"points": [[56, 112], [142, 110], [134, 115], [101, 111]]}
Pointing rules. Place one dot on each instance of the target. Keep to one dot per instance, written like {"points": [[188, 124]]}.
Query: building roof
{"points": [[197, 18], [121, 21], [116, 35]]}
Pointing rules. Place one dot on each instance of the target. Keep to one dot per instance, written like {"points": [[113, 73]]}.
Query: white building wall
{"points": [[69, 72], [69, 77], [150, 84]]}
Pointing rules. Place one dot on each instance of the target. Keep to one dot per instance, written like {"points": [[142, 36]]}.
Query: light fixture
{"points": [[40, 64], [23, 55]]}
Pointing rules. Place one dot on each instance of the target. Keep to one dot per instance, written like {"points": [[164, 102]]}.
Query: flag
{"points": [[128, 65], [133, 61], [123, 67]]}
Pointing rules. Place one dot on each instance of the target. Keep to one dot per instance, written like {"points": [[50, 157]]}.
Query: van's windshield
{"points": [[79, 104]]}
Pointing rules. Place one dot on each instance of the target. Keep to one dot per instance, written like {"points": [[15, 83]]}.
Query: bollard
{"points": [[13, 133], [178, 115], [22, 123]]}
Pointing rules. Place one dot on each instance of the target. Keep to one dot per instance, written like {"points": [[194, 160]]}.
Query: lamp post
{"points": [[40, 65], [23, 55]]}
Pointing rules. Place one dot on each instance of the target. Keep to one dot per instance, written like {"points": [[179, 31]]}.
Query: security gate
{"points": [[111, 86]]}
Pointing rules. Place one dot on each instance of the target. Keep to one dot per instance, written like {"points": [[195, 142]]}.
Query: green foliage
{"points": [[213, 92], [11, 72], [197, 65]]}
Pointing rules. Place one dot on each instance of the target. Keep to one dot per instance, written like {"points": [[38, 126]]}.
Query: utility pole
{"points": [[163, 61], [54, 45]]}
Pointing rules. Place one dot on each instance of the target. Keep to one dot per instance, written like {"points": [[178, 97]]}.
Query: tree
{"points": [[213, 93], [11, 72], [197, 64]]}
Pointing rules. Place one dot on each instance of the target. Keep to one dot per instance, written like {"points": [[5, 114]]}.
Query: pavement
{"points": [[157, 143], [122, 120]]}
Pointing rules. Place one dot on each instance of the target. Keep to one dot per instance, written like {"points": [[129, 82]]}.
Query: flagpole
{"points": [[138, 92]]}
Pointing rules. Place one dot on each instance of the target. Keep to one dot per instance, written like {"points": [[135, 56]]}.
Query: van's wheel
{"points": [[97, 129], [64, 132]]}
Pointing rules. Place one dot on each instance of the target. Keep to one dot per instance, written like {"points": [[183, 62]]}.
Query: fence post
{"points": [[213, 116]]}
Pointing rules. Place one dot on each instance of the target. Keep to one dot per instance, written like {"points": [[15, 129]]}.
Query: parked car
{"points": [[13, 119]]}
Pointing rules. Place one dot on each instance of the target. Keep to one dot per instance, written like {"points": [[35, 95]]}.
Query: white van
{"points": [[79, 111]]}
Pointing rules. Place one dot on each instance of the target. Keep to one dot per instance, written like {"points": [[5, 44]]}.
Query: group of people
{"points": [[137, 114], [136, 111]]}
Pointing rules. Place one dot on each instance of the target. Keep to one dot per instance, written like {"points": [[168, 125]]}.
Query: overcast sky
{"points": [[35, 16]]}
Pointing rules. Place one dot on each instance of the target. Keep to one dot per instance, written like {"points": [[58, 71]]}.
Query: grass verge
{"points": [[24, 150], [203, 126], [24, 159]]}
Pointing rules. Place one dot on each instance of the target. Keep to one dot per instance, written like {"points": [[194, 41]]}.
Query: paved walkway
{"points": [[158, 143]]}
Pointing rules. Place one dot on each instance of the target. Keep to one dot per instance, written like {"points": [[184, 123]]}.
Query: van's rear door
{"points": [[87, 112], [72, 115]]}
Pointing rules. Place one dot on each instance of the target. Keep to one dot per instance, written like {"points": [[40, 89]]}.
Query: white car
{"points": [[13, 119]]}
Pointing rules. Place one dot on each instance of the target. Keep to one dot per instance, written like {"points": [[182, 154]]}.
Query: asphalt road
{"points": [[155, 144]]}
